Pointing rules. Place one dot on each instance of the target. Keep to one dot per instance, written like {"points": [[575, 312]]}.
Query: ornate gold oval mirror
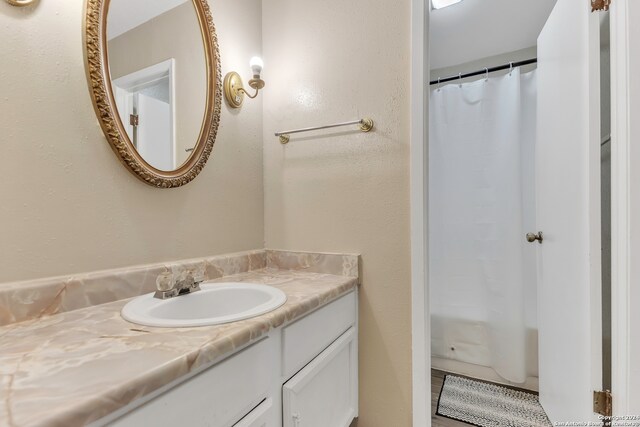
{"points": [[154, 74]]}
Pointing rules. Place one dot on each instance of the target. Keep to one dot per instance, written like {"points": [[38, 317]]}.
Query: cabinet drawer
{"points": [[325, 392], [261, 416], [306, 338], [217, 397]]}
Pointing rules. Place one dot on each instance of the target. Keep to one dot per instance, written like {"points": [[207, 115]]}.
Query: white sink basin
{"points": [[214, 304]]}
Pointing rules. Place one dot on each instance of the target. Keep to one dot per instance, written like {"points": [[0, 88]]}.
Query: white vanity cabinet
{"points": [[306, 338], [320, 366], [325, 392], [304, 374], [218, 396]]}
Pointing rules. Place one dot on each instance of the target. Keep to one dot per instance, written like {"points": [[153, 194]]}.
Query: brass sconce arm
{"points": [[255, 83], [248, 94]]}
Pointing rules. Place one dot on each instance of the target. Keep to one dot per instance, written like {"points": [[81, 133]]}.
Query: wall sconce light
{"points": [[234, 90]]}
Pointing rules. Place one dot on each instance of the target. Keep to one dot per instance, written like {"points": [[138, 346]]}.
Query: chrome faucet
{"points": [[170, 287]]}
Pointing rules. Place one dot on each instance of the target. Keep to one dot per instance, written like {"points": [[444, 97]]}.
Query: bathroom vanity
{"points": [[294, 366], [301, 374]]}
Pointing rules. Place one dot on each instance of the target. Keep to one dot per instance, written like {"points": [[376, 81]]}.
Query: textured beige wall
{"points": [[341, 190], [174, 34], [66, 203]]}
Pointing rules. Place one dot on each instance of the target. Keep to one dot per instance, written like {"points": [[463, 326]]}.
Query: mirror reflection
{"points": [[158, 73]]}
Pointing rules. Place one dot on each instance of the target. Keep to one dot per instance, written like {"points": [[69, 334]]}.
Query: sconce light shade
{"points": [[234, 91], [256, 65]]}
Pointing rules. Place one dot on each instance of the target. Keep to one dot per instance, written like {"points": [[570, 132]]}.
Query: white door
{"points": [[154, 141], [568, 212]]}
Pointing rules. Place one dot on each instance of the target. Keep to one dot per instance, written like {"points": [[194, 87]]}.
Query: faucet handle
{"points": [[165, 282], [198, 275], [181, 275]]}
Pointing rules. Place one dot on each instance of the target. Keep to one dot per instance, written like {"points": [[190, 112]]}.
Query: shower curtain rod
{"points": [[485, 71]]}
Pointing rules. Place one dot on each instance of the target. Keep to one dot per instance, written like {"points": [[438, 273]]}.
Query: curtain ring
{"points": [[486, 74], [510, 68], [460, 79], [438, 84]]}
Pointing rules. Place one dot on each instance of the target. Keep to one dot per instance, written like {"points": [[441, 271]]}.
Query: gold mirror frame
{"points": [[99, 78]]}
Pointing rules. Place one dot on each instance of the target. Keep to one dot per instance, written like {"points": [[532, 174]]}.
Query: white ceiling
{"points": [[125, 15], [476, 29]]}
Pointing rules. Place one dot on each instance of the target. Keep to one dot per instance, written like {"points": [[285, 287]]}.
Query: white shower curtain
{"points": [[481, 204]]}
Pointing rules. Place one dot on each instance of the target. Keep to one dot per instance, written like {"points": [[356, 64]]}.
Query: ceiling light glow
{"points": [[439, 4]]}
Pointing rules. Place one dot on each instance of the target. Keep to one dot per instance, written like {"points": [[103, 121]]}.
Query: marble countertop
{"points": [[79, 366]]}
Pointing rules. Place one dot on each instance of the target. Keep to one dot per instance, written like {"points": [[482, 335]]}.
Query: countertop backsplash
{"points": [[20, 301]]}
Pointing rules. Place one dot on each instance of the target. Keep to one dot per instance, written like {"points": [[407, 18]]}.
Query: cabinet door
{"points": [[325, 392]]}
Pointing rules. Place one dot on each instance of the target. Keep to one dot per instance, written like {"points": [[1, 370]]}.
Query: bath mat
{"points": [[489, 405]]}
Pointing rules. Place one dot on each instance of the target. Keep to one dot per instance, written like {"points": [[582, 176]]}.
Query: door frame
{"points": [[419, 134], [625, 212]]}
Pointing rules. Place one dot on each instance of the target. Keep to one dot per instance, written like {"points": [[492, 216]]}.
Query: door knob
{"points": [[532, 237]]}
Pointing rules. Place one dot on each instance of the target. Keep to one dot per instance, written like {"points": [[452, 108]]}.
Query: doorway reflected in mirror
{"points": [[158, 76]]}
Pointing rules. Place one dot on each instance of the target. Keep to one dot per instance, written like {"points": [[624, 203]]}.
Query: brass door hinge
{"points": [[600, 5], [134, 119], [603, 403]]}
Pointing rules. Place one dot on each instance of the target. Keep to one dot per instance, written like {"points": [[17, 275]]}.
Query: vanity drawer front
{"points": [[306, 338], [262, 416], [217, 397]]}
